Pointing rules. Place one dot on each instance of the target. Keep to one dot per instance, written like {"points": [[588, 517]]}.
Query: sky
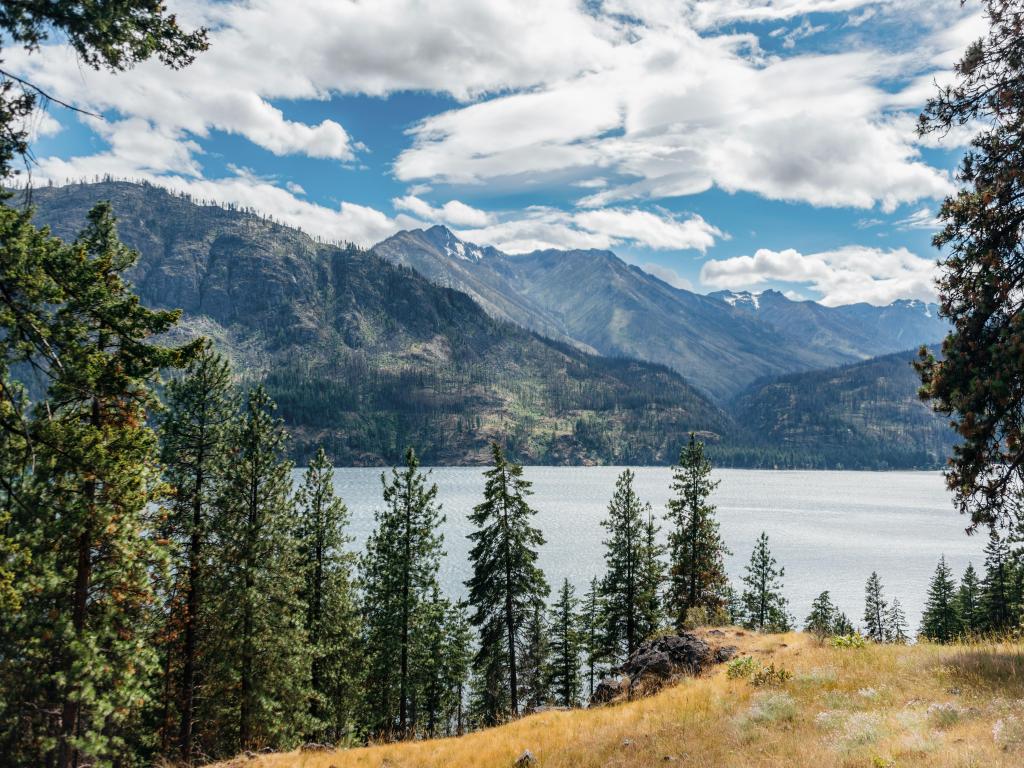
{"points": [[719, 144]]}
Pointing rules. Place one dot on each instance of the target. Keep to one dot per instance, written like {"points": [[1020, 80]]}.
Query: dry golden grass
{"points": [[876, 707]]}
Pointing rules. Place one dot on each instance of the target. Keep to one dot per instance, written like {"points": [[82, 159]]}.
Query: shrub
{"points": [[944, 715], [1008, 732], [773, 708], [742, 667], [769, 676], [855, 640]]}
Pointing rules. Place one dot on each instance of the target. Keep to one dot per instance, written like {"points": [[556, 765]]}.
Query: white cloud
{"points": [[923, 218], [454, 212], [843, 276], [791, 36], [541, 227]]}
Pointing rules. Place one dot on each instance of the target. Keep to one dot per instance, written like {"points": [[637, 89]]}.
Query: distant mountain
{"points": [[721, 342], [864, 415], [368, 357]]}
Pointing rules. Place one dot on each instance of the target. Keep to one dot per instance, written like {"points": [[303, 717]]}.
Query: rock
{"points": [[667, 656], [609, 689], [725, 652], [526, 760], [314, 747]]}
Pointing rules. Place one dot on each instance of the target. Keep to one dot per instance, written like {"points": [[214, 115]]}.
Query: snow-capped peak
{"points": [[453, 247], [741, 299]]}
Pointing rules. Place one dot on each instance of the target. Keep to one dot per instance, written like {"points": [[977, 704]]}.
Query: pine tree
{"points": [[875, 610], [566, 647], [968, 602], [200, 410], [764, 606], [506, 585], [896, 630], [629, 588], [535, 670], [940, 622], [400, 567], [78, 655], [996, 587], [651, 613], [733, 603], [458, 663], [843, 625], [332, 617], [821, 621], [696, 553], [590, 627], [257, 693]]}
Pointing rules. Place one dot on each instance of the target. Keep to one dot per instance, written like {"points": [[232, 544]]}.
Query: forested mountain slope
{"points": [[368, 357], [864, 415]]}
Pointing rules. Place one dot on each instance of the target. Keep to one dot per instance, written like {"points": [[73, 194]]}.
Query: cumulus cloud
{"points": [[454, 212], [542, 227], [846, 275]]}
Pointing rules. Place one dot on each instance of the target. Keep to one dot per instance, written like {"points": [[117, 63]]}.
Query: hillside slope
{"points": [[861, 415], [882, 706], [367, 357]]}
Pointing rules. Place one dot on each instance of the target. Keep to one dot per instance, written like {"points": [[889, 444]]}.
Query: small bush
{"points": [[861, 728], [773, 708], [847, 641], [944, 715], [1008, 732], [700, 616], [769, 676], [742, 667]]}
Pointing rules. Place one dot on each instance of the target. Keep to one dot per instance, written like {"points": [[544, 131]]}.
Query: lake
{"points": [[828, 529]]}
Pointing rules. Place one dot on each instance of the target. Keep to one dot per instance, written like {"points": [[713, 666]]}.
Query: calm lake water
{"points": [[828, 529]]}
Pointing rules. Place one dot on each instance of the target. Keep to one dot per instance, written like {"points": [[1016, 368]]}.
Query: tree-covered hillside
{"points": [[367, 357], [866, 415]]}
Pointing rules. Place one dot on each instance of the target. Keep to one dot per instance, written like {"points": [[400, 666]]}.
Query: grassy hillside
{"points": [[864, 415], [873, 707]]}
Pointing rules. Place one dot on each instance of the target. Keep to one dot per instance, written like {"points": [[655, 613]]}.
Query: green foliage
{"points": [[765, 607], [821, 621], [535, 660], [979, 382], [506, 587], [332, 615], [896, 630], [968, 603], [875, 610], [998, 613], [940, 622], [696, 574], [741, 668], [590, 627], [770, 676], [399, 570], [851, 640], [567, 646], [629, 589]]}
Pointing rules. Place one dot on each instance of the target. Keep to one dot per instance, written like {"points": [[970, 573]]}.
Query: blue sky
{"points": [[718, 143]]}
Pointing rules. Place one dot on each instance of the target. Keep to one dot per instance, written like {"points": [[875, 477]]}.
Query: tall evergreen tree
{"points": [[997, 586], [78, 655], [458, 663], [896, 630], [258, 691], [566, 647], [200, 410], [764, 605], [590, 621], [506, 585], [696, 552], [821, 621], [652, 577], [940, 622], [400, 567], [875, 610], [979, 379], [968, 603], [535, 655], [332, 617], [629, 587]]}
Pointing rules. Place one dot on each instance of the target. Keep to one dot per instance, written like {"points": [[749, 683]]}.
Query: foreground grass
{"points": [[876, 707]]}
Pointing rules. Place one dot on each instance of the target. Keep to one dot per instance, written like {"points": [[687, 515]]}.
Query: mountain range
{"points": [[720, 342], [565, 356]]}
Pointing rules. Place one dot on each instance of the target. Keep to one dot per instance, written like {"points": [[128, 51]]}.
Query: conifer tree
{"points": [[821, 621], [940, 622], [535, 670], [696, 552], [968, 603], [506, 585], [200, 409], [566, 647], [875, 610], [400, 567], [590, 621], [764, 605], [653, 576], [458, 663], [78, 654], [896, 630], [843, 625], [258, 692], [733, 604], [997, 586], [332, 617], [629, 587]]}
